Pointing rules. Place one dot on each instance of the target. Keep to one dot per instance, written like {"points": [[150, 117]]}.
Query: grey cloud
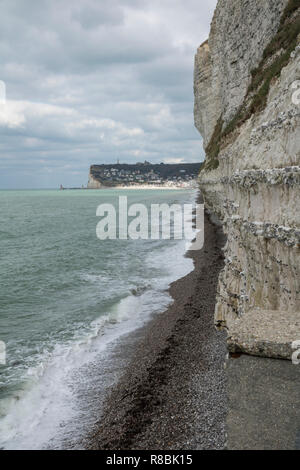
{"points": [[96, 80], [103, 13]]}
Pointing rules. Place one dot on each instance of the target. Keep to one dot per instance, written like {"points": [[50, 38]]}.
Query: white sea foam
{"points": [[41, 413]]}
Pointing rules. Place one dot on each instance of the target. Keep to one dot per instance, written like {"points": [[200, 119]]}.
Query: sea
{"points": [[67, 302]]}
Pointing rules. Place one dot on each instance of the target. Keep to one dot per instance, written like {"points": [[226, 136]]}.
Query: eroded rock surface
{"points": [[254, 190]]}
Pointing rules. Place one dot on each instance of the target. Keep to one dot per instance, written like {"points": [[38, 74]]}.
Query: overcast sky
{"points": [[93, 81]]}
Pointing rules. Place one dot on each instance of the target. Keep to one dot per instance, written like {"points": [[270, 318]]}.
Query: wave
{"points": [[39, 412]]}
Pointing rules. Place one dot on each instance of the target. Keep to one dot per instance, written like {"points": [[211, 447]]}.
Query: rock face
{"points": [[93, 183], [240, 31], [254, 187]]}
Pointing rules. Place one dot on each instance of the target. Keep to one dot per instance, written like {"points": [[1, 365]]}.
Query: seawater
{"points": [[66, 300]]}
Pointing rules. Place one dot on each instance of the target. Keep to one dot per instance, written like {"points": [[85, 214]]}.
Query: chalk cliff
{"points": [[247, 109], [93, 183]]}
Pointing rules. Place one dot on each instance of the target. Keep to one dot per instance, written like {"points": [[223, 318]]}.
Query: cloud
{"points": [[91, 15], [11, 115], [95, 81]]}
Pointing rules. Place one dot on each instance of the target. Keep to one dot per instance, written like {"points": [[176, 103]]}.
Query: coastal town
{"points": [[167, 175]]}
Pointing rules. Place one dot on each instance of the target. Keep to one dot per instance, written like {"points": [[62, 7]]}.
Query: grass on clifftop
{"points": [[286, 41], [280, 49]]}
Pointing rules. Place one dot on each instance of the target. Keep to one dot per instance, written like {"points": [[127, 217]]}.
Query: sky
{"points": [[96, 81]]}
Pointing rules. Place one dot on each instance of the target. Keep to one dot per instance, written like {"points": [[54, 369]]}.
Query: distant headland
{"points": [[182, 175]]}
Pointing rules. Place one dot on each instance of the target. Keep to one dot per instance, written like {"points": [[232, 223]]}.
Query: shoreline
{"points": [[130, 188], [186, 188], [172, 392], [152, 187]]}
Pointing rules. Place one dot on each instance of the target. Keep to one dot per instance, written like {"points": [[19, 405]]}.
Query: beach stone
{"points": [[263, 404], [268, 333]]}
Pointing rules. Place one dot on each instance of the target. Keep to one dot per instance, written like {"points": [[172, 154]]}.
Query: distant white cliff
{"points": [[93, 183]]}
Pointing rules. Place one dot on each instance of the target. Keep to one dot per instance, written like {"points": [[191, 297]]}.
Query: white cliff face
{"points": [[240, 31], [93, 183], [255, 189]]}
